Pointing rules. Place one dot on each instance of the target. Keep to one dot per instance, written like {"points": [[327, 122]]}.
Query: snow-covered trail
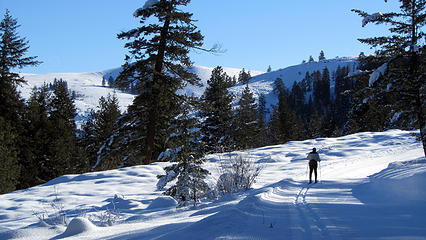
{"points": [[371, 187]]}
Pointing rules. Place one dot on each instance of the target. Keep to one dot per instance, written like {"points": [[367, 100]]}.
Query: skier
{"points": [[313, 158]]}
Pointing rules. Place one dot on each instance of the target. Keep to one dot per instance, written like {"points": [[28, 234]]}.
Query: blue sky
{"points": [[80, 35]]}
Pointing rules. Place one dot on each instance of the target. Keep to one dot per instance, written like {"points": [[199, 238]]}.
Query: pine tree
{"points": [[311, 59], [157, 60], [262, 111], [245, 125], [186, 153], [64, 153], [101, 124], [217, 111], [14, 152], [243, 76], [12, 55], [9, 162], [269, 69], [284, 125], [321, 56], [38, 137], [406, 57]]}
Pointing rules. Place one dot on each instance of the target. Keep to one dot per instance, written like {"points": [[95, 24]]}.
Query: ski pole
{"points": [[320, 175]]}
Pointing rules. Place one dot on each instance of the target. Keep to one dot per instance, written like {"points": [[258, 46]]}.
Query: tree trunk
{"points": [[156, 85]]}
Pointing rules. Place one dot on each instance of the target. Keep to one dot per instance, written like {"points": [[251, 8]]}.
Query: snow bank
{"points": [[79, 225], [162, 202]]}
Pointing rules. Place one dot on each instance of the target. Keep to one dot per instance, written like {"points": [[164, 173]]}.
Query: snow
{"points": [[264, 83], [371, 187], [162, 202], [371, 18], [88, 87], [77, 226], [377, 73]]}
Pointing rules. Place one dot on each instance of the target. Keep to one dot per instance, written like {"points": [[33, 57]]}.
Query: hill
{"points": [[88, 86], [371, 187], [89, 89]]}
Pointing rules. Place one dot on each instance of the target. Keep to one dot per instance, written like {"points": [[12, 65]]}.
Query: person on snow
{"points": [[313, 158]]}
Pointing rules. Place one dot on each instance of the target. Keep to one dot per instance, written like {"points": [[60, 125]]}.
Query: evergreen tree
{"points": [[245, 124], [157, 60], [186, 154], [406, 55], [14, 152], [9, 162], [244, 76], [38, 137], [269, 69], [325, 88], [65, 157], [262, 111], [217, 112], [321, 56], [101, 124], [111, 82], [311, 59], [12, 55], [284, 125]]}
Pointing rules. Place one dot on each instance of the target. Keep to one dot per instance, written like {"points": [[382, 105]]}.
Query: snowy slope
{"points": [[264, 83], [89, 89], [372, 187]]}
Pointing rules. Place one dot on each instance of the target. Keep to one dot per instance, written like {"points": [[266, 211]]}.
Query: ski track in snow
{"points": [[361, 194]]}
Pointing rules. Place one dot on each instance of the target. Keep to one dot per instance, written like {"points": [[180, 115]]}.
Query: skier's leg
{"points": [[315, 169], [310, 173]]}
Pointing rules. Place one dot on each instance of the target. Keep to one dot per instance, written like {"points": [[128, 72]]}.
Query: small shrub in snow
{"points": [[237, 174], [109, 216], [52, 212]]}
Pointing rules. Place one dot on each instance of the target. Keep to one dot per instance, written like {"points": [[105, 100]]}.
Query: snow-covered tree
{"points": [[405, 64], [185, 152]]}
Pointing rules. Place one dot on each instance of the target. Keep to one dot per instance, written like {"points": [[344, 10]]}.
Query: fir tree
{"points": [[321, 56], [157, 60], [9, 162], [269, 69], [311, 59], [244, 76], [13, 49], [406, 55], [65, 156], [185, 151], [217, 111], [262, 111], [284, 123], [38, 137], [245, 125], [12, 55], [101, 124]]}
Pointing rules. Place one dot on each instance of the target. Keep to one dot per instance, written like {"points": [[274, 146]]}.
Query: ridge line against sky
{"points": [[80, 35]]}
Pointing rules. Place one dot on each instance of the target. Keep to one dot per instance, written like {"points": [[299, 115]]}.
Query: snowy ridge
{"points": [[88, 86], [364, 176], [264, 83]]}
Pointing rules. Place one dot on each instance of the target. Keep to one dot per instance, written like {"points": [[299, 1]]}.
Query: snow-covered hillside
{"points": [[371, 187], [89, 89], [264, 83]]}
